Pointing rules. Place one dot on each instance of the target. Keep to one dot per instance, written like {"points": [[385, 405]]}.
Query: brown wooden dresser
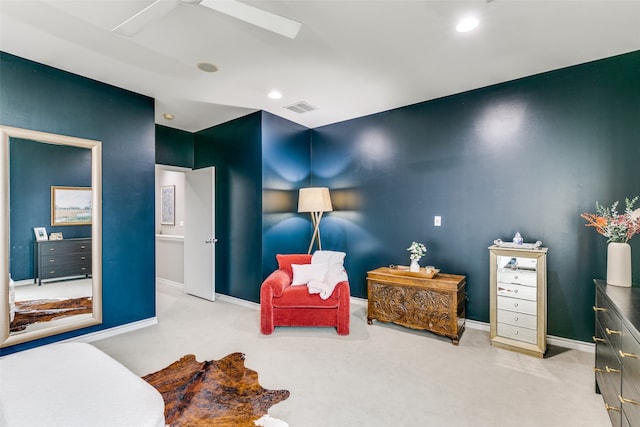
{"points": [[436, 305]]}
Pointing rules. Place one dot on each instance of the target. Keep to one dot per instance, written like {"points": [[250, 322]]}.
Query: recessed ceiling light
{"points": [[207, 67], [168, 116], [467, 24], [274, 94]]}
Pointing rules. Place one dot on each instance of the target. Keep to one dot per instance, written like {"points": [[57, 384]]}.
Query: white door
{"points": [[200, 233]]}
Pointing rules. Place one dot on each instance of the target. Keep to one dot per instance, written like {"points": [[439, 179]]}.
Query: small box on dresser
{"points": [[518, 299], [617, 361]]}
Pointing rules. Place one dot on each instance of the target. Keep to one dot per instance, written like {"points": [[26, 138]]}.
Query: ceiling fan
{"points": [[258, 17]]}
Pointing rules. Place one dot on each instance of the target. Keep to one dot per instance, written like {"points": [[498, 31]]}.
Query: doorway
{"points": [[185, 229]]}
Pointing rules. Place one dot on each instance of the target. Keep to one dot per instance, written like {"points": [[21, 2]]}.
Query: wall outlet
{"points": [[437, 221]]}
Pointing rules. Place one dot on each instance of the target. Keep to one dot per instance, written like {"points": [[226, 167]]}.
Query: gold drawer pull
{"points": [[625, 400], [611, 331], [597, 369], [599, 308], [622, 354], [611, 408], [596, 339], [611, 370]]}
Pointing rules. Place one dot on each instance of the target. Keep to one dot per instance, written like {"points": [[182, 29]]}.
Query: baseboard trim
{"points": [[238, 301], [112, 332], [169, 282]]}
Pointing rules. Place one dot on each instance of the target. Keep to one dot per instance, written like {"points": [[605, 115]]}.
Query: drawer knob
{"points": [[611, 408], [515, 277], [515, 319], [516, 332], [83, 258], [596, 339], [599, 308], [82, 247], [623, 354], [515, 304], [625, 400], [52, 249], [612, 332]]}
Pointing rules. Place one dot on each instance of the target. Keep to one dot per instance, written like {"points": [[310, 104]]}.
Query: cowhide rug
{"points": [[44, 310], [221, 393]]}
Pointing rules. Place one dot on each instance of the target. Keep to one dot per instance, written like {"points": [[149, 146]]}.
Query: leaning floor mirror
{"points": [[50, 234]]}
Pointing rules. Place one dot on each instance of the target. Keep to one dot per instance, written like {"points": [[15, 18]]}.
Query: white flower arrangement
{"points": [[417, 251]]}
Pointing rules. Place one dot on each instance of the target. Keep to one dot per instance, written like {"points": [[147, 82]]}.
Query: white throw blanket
{"points": [[335, 274]]}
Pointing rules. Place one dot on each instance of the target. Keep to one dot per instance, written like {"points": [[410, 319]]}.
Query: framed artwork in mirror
{"points": [[168, 205], [70, 205]]}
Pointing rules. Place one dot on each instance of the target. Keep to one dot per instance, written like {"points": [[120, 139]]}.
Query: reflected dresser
{"points": [[55, 259], [518, 299], [436, 304], [617, 366]]}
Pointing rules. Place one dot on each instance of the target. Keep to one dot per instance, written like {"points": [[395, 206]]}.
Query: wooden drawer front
{"points": [[65, 247], [630, 356], [610, 323], [49, 260], [517, 333], [412, 307], [517, 319], [608, 368], [520, 277], [517, 291], [519, 305], [65, 270]]}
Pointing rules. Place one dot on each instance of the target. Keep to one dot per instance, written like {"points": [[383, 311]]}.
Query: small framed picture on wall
{"points": [[168, 205], [41, 233]]}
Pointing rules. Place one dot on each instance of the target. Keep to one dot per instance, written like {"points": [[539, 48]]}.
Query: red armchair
{"points": [[284, 305]]}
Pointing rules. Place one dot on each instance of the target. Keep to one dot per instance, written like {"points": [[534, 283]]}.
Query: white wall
{"points": [[170, 238]]}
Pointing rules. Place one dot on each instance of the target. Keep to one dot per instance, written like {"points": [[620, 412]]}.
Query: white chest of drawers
{"points": [[518, 299]]}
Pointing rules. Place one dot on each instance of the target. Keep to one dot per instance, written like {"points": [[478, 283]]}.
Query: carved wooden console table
{"points": [[436, 305]]}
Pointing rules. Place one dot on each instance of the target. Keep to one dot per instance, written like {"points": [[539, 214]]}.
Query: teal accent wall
{"points": [[234, 148], [174, 147], [286, 165], [42, 98], [523, 156]]}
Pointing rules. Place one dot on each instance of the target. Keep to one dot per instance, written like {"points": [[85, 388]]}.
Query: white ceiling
{"points": [[350, 59]]}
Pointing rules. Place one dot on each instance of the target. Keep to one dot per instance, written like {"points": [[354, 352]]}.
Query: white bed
{"points": [[74, 384]]}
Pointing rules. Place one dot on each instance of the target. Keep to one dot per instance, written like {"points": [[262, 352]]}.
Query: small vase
{"points": [[619, 264], [414, 267]]}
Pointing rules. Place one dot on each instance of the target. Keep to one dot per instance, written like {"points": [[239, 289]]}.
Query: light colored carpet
{"points": [[379, 376]]}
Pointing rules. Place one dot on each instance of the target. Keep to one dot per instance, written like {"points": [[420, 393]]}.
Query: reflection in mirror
{"points": [[50, 274]]}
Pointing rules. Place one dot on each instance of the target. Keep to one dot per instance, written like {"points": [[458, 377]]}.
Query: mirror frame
{"points": [[6, 132]]}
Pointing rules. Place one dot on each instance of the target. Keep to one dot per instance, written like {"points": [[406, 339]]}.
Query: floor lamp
{"points": [[315, 200]]}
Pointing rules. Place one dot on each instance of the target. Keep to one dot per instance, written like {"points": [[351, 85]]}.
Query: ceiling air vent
{"points": [[300, 107]]}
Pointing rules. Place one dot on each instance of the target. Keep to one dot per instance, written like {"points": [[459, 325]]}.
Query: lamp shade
{"points": [[314, 199]]}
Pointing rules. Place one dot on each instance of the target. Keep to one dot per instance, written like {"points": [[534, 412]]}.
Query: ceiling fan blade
{"points": [[258, 17], [155, 10]]}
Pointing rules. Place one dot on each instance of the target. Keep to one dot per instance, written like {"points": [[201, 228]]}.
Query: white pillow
{"points": [[304, 273], [329, 257]]}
